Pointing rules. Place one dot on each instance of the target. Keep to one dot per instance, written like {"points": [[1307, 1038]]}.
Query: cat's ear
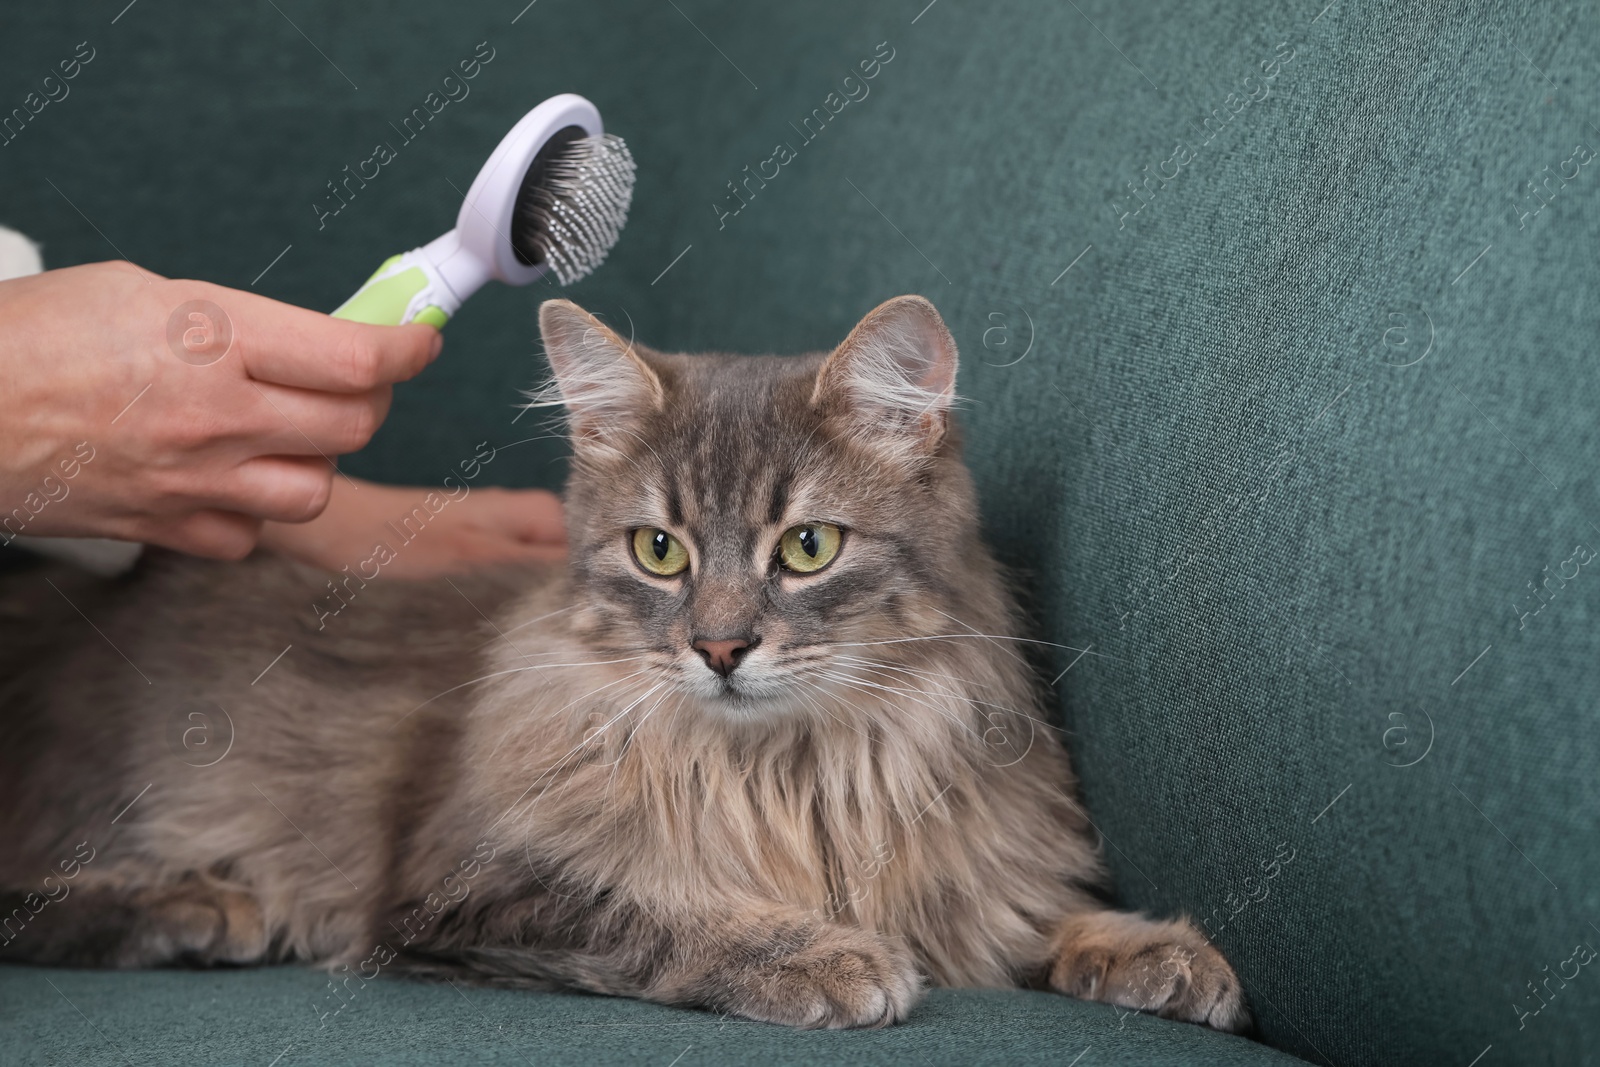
{"points": [[598, 377], [894, 377]]}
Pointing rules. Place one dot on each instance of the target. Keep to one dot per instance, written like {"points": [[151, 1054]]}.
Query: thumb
{"points": [[306, 349]]}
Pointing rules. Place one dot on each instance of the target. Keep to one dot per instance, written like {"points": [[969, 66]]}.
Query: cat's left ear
{"points": [[894, 377]]}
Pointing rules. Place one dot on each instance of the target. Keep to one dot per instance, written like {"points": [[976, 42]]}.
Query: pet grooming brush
{"points": [[552, 198]]}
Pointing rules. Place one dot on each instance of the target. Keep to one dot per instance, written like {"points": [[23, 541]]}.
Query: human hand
{"points": [[486, 527], [124, 414]]}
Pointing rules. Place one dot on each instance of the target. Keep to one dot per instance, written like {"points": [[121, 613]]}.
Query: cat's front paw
{"points": [[1165, 968], [206, 922], [842, 978]]}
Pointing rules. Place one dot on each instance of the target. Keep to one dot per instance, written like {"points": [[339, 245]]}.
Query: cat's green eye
{"points": [[809, 547], [659, 552]]}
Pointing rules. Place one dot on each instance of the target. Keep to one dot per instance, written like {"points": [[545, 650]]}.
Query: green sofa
{"points": [[1277, 327]]}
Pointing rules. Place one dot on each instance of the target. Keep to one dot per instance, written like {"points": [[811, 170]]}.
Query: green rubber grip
{"points": [[385, 297]]}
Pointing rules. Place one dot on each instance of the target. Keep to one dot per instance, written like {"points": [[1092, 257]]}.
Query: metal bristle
{"points": [[571, 220]]}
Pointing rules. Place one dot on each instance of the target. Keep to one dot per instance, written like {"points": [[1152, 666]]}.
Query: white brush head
{"points": [[566, 217], [574, 203]]}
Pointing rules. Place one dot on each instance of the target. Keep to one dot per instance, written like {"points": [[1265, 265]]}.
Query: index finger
{"points": [[306, 349]]}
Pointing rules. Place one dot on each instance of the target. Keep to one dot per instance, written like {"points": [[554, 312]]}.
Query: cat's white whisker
{"points": [[822, 706], [867, 686], [530, 622], [570, 753], [512, 728], [964, 699], [988, 637], [918, 672], [511, 670], [964, 696], [616, 764], [589, 739], [974, 631]]}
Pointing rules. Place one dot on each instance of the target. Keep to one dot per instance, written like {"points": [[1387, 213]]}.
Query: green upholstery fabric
{"points": [[171, 1017], [1299, 562]]}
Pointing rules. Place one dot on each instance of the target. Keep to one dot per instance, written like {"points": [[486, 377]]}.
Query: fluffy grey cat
{"points": [[766, 746]]}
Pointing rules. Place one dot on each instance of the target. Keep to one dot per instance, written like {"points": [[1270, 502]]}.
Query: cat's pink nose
{"points": [[722, 656]]}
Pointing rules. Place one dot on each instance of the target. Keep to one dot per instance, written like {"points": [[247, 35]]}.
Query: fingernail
{"points": [[438, 345]]}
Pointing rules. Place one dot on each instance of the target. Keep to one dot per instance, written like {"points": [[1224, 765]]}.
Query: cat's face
{"points": [[760, 530]]}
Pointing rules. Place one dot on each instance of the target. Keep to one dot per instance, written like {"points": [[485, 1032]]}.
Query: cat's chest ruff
{"points": [[841, 832]]}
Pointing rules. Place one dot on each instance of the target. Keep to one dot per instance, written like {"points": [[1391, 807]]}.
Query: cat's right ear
{"points": [[598, 377]]}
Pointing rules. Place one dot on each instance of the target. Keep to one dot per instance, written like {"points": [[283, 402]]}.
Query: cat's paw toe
{"points": [[243, 938], [847, 979], [204, 922], [1164, 968], [1206, 990]]}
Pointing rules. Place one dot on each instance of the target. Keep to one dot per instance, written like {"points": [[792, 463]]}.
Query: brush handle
{"points": [[406, 288], [427, 284]]}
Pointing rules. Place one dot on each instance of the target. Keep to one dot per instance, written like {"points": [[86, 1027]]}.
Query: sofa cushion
{"points": [[165, 1017]]}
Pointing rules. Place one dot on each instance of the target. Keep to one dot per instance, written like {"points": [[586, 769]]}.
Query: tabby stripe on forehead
{"points": [[780, 499], [674, 506]]}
